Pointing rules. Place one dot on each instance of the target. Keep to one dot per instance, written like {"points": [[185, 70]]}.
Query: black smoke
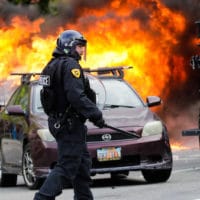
{"points": [[188, 93], [181, 109]]}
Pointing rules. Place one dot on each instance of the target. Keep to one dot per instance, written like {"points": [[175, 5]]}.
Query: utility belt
{"points": [[66, 118], [60, 115]]}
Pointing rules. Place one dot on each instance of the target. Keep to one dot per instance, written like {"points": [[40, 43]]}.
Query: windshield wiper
{"points": [[117, 106]]}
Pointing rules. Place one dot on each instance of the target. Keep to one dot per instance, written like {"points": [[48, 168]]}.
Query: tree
{"points": [[42, 4]]}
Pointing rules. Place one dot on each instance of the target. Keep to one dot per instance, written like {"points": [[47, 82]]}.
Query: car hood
{"points": [[128, 117], [117, 117]]}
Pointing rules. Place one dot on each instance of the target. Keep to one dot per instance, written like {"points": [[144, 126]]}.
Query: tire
{"points": [[8, 180], [31, 181], [156, 176]]}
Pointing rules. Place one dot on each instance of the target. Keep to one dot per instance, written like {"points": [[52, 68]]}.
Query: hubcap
{"points": [[28, 173]]}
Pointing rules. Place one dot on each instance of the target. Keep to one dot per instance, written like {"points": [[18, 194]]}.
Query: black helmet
{"points": [[69, 39]]}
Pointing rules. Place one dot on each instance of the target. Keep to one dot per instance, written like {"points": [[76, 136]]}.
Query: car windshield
{"points": [[95, 84], [120, 94], [114, 93]]}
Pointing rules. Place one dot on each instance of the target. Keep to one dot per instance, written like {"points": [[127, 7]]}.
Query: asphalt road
{"points": [[184, 184]]}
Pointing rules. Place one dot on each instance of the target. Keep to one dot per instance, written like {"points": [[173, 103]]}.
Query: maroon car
{"points": [[135, 139]]}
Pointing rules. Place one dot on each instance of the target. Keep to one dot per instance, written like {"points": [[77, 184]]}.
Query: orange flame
{"points": [[178, 146], [115, 37]]}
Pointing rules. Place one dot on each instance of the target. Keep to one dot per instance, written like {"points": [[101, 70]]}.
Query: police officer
{"points": [[75, 107]]}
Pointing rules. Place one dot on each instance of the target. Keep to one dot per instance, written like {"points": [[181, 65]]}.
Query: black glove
{"points": [[99, 123]]}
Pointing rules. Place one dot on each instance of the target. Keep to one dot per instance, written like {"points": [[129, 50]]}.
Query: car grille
{"points": [[125, 161], [109, 137]]}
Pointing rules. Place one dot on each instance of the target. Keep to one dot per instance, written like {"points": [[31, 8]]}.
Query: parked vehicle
{"points": [[28, 148]]}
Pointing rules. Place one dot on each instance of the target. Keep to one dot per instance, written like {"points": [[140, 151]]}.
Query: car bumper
{"points": [[139, 154], [43, 172], [142, 166], [145, 153]]}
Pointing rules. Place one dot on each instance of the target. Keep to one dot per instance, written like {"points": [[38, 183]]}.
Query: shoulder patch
{"points": [[76, 73]]}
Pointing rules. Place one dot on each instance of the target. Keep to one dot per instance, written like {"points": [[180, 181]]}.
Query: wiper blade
{"points": [[117, 106]]}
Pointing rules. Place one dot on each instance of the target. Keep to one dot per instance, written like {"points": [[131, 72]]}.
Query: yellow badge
{"points": [[76, 73]]}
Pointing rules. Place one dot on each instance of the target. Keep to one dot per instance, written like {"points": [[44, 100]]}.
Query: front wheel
{"points": [[156, 176], [30, 179]]}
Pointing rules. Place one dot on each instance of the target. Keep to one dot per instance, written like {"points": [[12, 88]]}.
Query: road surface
{"points": [[184, 184]]}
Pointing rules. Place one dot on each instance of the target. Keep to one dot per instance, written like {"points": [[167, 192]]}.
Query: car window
{"points": [[95, 84], [20, 97], [109, 92], [36, 104], [120, 94]]}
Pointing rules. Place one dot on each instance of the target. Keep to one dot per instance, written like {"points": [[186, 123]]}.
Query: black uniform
{"points": [[73, 158]]}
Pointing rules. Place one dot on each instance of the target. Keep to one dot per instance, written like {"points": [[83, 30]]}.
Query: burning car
{"points": [[134, 139]]}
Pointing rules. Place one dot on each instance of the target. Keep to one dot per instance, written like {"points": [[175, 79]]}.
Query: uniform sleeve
{"points": [[75, 93]]}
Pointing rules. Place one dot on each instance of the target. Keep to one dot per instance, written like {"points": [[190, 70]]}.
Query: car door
{"points": [[15, 126]]}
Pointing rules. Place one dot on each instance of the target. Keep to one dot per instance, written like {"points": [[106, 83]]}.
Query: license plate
{"points": [[108, 154]]}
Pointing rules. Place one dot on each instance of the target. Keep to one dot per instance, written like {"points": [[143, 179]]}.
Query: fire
{"points": [[141, 34], [178, 146], [22, 50]]}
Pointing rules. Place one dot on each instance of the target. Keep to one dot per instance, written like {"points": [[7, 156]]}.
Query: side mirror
{"points": [[15, 110], [153, 101]]}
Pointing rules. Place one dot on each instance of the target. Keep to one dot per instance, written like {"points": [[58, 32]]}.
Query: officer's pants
{"points": [[73, 166]]}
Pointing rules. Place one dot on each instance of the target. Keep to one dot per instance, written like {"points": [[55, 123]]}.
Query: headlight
{"points": [[45, 135], [152, 128]]}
